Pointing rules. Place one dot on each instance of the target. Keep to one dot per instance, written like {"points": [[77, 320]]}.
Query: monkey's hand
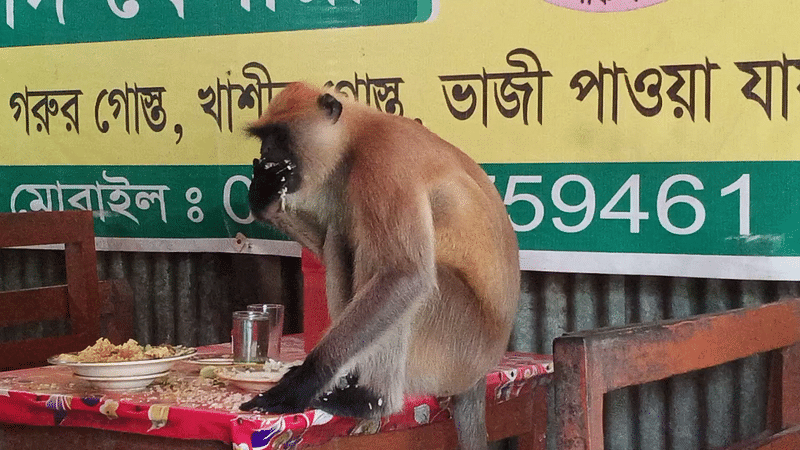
{"points": [[293, 394], [269, 180]]}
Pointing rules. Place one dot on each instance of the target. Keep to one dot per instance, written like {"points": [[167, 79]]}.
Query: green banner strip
{"points": [[706, 208], [60, 22]]}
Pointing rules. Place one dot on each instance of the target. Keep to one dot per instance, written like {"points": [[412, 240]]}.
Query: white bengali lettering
{"points": [[35, 5], [79, 196], [129, 8], [83, 198], [178, 7], [245, 4], [40, 202], [10, 13]]}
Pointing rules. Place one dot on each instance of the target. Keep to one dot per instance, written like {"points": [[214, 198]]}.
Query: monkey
{"points": [[422, 263]]}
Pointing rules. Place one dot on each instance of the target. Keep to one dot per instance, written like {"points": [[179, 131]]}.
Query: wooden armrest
{"points": [[638, 354], [786, 439], [592, 363]]}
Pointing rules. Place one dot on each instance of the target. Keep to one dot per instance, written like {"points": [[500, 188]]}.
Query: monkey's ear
{"points": [[332, 107]]}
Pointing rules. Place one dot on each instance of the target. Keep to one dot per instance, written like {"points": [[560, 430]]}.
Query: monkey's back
{"points": [[463, 329]]}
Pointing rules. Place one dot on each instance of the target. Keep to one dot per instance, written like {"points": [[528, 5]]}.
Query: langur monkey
{"points": [[422, 262]]}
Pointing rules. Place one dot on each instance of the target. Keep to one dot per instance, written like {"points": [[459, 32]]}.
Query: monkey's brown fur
{"points": [[422, 261]]}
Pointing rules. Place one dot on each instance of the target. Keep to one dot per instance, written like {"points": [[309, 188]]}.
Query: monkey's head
{"points": [[302, 140]]}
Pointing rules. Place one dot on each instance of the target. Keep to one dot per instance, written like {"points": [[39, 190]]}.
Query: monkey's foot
{"points": [[351, 400]]}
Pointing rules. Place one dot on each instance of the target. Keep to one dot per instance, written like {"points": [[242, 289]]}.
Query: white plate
{"points": [[117, 369], [249, 379], [212, 359], [135, 383]]}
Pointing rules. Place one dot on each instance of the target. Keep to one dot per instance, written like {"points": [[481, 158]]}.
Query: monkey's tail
{"points": [[469, 415]]}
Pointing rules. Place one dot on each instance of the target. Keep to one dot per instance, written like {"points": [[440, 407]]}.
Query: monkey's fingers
{"points": [[263, 167], [292, 394], [281, 399], [265, 404], [266, 187]]}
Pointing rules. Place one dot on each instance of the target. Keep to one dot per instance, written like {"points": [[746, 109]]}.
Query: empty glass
{"points": [[250, 336], [275, 313]]}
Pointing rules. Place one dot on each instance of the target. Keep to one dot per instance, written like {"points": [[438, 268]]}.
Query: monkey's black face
{"points": [[277, 172]]}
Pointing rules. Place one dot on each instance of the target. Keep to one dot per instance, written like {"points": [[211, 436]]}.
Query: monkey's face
{"points": [[293, 145]]}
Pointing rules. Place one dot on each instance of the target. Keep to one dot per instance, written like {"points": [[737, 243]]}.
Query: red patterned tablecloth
{"points": [[186, 406]]}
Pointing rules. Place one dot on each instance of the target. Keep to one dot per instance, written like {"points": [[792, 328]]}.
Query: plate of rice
{"points": [[105, 362]]}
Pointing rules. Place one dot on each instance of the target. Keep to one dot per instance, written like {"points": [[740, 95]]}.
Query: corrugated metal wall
{"points": [[706, 409], [188, 299], [179, 298]]}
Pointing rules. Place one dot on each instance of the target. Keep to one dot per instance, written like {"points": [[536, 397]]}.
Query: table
{"points": [[46, 404]]}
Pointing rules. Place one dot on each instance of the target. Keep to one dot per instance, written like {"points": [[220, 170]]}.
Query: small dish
{"points": [[249, 379], [211, 359], [133, 383], [255, 378]]}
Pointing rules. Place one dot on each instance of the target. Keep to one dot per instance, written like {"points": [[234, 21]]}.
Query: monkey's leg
{"points": [[469, 414], [350, 399]]}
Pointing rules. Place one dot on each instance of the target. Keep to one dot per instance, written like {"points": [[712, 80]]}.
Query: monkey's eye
{"points": [[273, 132]]}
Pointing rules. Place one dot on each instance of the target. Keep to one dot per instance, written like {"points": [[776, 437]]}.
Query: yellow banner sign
{"points": [[660, 127]]}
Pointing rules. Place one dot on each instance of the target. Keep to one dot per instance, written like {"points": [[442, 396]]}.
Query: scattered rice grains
{"points": [[197, 392]]}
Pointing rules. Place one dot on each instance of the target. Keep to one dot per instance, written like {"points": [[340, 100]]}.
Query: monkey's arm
{"points": [[338, 259], [395, 273], [390, 296]]}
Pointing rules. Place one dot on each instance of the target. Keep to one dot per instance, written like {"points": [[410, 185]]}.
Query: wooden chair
{"points": [[524, 417], [79, 300], [590, 364]]}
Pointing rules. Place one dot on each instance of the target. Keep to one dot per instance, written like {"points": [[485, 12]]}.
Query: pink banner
{"points": [[604, 5]]}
